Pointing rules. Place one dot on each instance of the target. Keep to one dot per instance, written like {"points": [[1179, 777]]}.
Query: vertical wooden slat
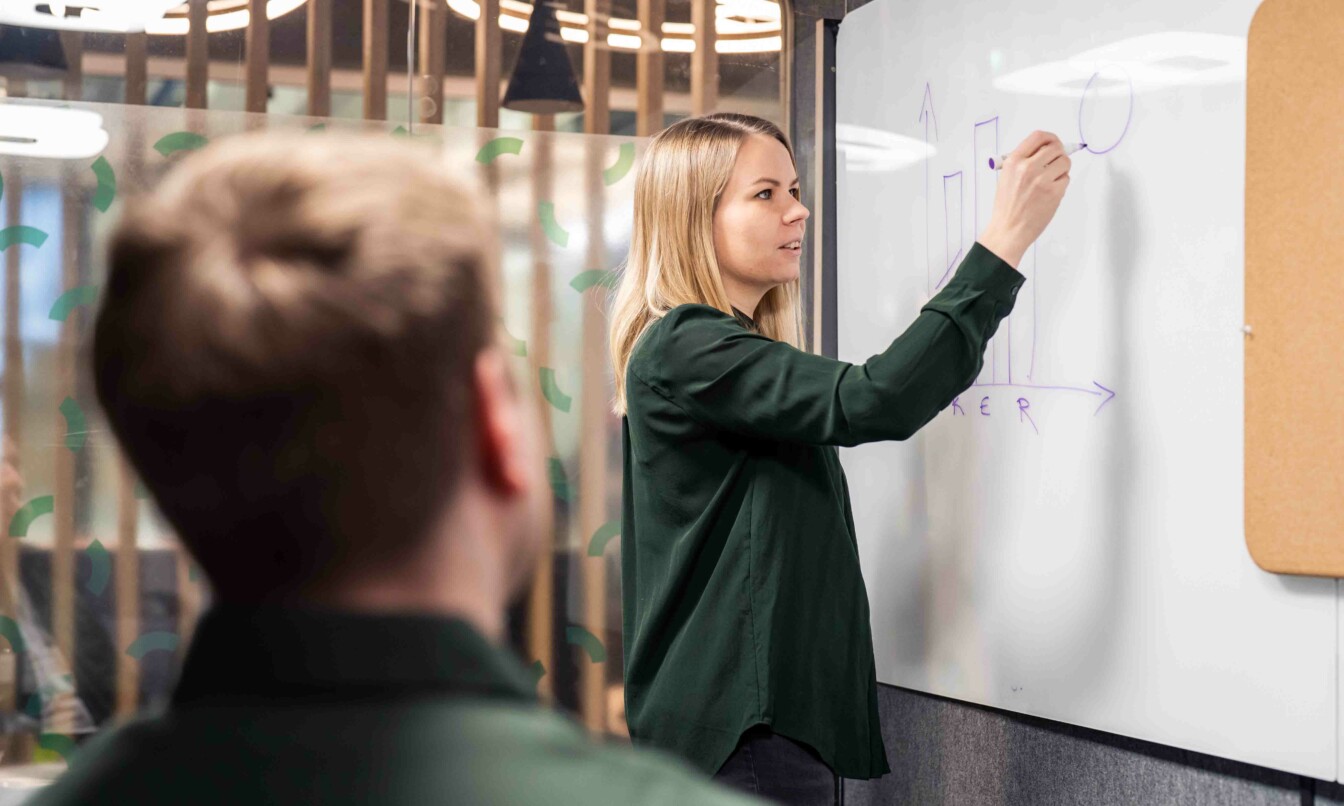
{"points": [[541, 609], [127, 580], [188, 597], [137, 74], [73, 82], [593, 399], [594, 422], [258, 56], [127, 590], [433, 43], [10, 500], [489, 50], [375, 59], [705, 59], [63, 549], [649, 68], [319, 57], [198, 55], [597, 69]]}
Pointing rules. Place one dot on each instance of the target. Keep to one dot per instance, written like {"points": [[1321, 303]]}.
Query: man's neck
{"points": [[461, 573]]}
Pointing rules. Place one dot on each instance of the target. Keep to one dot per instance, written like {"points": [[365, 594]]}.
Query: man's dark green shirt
{"points": [[281, 706], [743, 599]]}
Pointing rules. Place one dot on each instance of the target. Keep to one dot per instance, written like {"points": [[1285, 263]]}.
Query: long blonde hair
{"points": [[671, 262]]}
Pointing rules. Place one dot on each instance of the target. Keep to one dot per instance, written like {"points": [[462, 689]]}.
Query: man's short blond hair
{"points": [[286, 345]]}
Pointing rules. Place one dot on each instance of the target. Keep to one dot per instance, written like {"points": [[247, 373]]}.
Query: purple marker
{"points": [[1069, 148]]}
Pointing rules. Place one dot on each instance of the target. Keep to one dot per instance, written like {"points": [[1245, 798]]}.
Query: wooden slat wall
{"points": [[188, 599], [64, 491], [593, 396], [10, 499], [375, 59], [705, 59], [72, 84], [541, 606], [597, 69], [127, 590], [489, 49], [649, 67], [198, 55], [319, 57], [137, 64], [433, 41], [127, 582], [258, 56]]}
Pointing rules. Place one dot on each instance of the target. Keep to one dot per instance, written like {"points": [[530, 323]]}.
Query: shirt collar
{"points": [[746, 321], [271, 652]]}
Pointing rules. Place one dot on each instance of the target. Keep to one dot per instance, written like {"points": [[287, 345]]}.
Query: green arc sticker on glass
{"points": [[76, 428], [604, 534], [551, 391], [59, 744], [151, 642], [555, 233], [100, 559], [500, 145], [515, 345], [21, 234], [9, 628], [179, 141], [559, 481], [536, 671], [72, 299], [594, 277], [624, 162], [29, 512], [580, 637], [107, 184]]}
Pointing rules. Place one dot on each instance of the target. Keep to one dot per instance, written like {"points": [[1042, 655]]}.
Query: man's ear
{"points": [[501, 430]]}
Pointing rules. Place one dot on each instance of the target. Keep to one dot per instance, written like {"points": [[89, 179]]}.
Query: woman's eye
{"points": [[767, 198], [797, 194]]}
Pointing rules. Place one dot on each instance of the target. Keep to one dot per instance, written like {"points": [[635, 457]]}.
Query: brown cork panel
{"points": [[1295, 287]]}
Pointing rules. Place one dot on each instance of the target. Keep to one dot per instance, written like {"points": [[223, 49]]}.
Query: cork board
{"points": [[1295, 287]]}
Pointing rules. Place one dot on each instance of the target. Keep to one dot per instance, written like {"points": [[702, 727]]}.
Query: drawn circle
{"points": [[1100, 132]]}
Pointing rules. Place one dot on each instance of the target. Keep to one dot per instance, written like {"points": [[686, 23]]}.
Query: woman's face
{"points": [[759, 223]]}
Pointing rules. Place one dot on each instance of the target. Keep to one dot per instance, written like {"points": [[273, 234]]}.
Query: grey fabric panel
{"points": [[946, 752]]}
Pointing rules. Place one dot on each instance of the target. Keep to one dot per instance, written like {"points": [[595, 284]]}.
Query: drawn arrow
{"points": [[1105, 394], [927, 116]]}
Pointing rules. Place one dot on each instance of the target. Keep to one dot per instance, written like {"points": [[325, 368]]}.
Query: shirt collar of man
{"points": [[269, 653]]}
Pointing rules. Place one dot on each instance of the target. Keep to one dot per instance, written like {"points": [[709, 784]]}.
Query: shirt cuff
{"points": [[986, 271]]}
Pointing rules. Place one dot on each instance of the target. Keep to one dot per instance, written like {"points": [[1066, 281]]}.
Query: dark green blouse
{"points": [[743, 598]]}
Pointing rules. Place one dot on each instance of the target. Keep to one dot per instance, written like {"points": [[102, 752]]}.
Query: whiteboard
{"points": [[1066, 540]]}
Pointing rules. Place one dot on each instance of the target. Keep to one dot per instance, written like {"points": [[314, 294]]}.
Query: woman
{"points": [[747, 642]]}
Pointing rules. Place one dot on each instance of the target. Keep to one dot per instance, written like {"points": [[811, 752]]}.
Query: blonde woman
{"points": [[747, 643]]}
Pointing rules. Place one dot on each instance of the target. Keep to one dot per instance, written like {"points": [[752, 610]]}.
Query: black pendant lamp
{"points": [[32, 54], [543, 81]]}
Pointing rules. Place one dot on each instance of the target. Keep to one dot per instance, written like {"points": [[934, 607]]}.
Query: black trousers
{"points": [[778, 768]]}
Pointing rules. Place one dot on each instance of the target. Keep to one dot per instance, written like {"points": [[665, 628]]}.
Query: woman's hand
{"points": [[1031, 186]]}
